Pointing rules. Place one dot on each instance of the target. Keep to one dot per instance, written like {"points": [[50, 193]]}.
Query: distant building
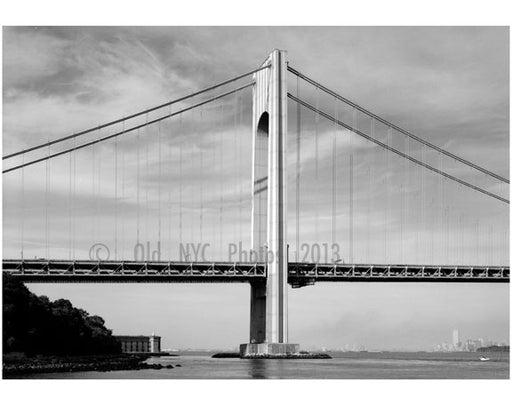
{"points": [[139, 344], [471, 345], [456, 339]]}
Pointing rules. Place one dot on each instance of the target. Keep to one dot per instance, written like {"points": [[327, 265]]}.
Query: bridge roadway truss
{"points": [[299, 274]]}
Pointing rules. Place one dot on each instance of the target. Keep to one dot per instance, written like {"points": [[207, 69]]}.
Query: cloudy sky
{"points": [[448, 85]]}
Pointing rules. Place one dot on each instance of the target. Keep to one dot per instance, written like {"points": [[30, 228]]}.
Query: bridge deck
{"points": [[299, 274]]}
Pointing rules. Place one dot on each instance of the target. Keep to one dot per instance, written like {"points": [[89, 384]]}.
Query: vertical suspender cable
{"points": [[403, 179], [439, 204], [477, 242], [423, 219], [490, 249], [221, 228], [146, 174], [445, 233], [443, 211], [390, 203], [196, 208], [505, 243], [493, 253], [138, 187], [374, 193], [431, 224], [351, 190], [401, 213], [201, 204], [46, 207], [70, 206], [386, 199], [74, 213], [316, 163], [463, 237], [235, 135], [234, 162], [122, 200], [459, 244], [506, 239], [297, 177], [461, 231], [448, 239], [22, 207], [216, 175], [490, 244], [333, 178], [351, 196], [368, 203], [169, 193], [404, 205], [180, 191], [115, 198], [159, 239], [94, 193], [240, 145], [418, 213], [95, 197], [238, 171], [98, 196], [401, 222], [407, 190]]}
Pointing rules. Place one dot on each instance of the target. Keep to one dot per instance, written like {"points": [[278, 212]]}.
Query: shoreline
{"points": [[19, 366]]}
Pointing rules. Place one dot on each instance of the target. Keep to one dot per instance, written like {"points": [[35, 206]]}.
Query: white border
{"points": [[264, 12]]}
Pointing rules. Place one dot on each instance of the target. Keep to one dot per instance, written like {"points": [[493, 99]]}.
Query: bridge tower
{"points": [[269, 309]]}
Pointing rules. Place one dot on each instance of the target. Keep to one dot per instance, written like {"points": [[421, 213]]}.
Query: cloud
{"points": [[448, 85]]}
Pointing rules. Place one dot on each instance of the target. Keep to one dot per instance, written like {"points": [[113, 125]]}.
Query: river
{"points": [[344, 365]]}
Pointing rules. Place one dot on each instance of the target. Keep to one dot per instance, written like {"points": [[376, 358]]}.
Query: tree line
{"points": [[35, 325]]}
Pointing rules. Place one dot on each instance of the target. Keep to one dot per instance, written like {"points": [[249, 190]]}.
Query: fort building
{"points": [[139, 344]]}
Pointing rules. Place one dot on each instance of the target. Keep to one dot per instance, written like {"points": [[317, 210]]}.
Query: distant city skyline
{"points": [[468, 343]]}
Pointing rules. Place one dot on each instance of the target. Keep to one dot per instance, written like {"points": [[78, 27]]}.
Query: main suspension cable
{"points": [[398, 152], [117, 121], [124, 131], [397, 128]]}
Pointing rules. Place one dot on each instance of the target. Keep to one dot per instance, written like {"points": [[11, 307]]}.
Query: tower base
{"points": [[268, 350]]}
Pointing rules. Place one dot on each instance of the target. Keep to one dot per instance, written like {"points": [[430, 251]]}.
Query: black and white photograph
{"points": [[290, 202]]}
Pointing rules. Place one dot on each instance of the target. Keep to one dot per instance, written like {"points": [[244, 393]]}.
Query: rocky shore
{"points": [[290, 356], [300, 355], [18, 366]]}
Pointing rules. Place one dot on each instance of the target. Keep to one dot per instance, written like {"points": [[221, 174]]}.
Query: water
{"points": [[386, 365]]}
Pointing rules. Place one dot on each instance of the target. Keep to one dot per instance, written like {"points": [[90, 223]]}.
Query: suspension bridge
{"points": [[268, 178]]}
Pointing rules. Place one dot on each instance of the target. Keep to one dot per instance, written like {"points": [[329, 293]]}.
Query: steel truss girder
{"points": [[299, 274], [132, 271]]}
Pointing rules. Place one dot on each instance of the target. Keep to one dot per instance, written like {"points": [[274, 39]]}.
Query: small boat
{"points": [[483, 358]]}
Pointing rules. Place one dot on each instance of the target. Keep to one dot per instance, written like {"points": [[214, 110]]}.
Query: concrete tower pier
{"points": [[269, 309]]}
